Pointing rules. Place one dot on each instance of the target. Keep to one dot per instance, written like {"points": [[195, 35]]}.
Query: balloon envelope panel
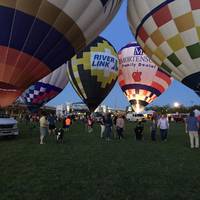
{"points": [[39, 36], [139, 78], [94, 71], [169, 32], [46, 89]]}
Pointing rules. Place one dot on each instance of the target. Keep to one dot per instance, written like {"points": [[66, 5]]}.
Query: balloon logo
{"points": [[38, 36], [94, 71], [139, 78], [169, 33]]}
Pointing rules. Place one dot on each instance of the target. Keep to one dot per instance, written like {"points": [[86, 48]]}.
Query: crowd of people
{"points": [[117, 123], [48, 127], [113, 126]]}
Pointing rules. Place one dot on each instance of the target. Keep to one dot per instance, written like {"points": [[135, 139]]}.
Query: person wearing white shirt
{"points": [[43, 127], [163, 125]]}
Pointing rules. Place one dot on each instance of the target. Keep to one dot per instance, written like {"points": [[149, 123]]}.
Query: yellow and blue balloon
{"points": [[94, 71]]}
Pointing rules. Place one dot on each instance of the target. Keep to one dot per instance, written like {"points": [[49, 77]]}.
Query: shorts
{"points": [[43, 131]]}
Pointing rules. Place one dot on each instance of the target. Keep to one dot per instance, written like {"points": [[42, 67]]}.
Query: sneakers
{"points": [[194, 147]]}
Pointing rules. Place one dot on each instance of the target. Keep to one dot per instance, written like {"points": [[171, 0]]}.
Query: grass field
{"points": [[86, 167]]}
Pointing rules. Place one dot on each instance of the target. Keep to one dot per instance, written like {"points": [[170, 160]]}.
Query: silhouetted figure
{"points": [[153, 129], [163, 124], [108, 126], [139, 131], [120, 126], [192, 126]]}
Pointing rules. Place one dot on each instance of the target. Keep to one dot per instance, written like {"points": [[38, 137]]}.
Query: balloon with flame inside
{"points": [[139, 78]]}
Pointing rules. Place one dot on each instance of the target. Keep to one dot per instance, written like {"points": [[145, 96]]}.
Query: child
{"points": [[67, 123]]}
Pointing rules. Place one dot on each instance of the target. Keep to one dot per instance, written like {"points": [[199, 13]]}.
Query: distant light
{"points": [[176, 104]]}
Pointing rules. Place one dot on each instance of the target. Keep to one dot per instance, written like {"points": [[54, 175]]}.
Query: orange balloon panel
{"points": [[7, 97], [15, 78], [37, 37]]}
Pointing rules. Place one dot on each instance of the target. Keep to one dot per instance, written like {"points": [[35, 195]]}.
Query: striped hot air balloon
{"points": [[94, 71], [169, 33], [38, 36], [45, 89], [139, 78]]}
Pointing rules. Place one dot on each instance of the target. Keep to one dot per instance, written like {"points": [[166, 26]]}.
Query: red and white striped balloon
{"points": [[139, 78]]}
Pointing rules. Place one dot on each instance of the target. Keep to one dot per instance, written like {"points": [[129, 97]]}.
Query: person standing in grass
{"points": [[163, 125], [85, 123], [198, 118], [114, 126], [52, 124], [192, 127], [63, 123], [102, 125], [139, 131], [68, 122], [153, 128], [89, 124], [43, 127], [108, 126], [120, 126]]}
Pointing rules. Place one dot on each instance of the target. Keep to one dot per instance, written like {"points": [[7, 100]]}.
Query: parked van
{"points": [[8, 126], [135, 117]]}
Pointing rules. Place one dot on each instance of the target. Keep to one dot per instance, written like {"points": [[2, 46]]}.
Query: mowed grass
{"points": [[86, 167]]}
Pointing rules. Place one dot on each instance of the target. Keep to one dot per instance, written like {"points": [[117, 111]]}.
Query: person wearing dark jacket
{"points": [[192, 126], [153, 129], [108, 126], [139, 131], [120, 126], [114, 119]]}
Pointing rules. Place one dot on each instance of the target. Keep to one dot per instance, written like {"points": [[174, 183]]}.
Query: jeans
{"points": [[120, 132], [108, 132], [153, 135], [102, 130], [163, 134], [194, 139]]}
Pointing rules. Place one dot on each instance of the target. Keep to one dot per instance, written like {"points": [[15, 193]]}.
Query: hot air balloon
{"points": [[139, 78], [45, 89], [39, 36], [94, 71], [169, 33]]}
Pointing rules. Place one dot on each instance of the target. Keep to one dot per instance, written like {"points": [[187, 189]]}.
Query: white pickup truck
{"points": [[8, 126], [135, 117]]}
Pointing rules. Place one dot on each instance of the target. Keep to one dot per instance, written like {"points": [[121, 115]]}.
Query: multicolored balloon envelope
{"points": [[94, 71], [169, 33], [38, 36], [139, 78], [46, 89]]}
